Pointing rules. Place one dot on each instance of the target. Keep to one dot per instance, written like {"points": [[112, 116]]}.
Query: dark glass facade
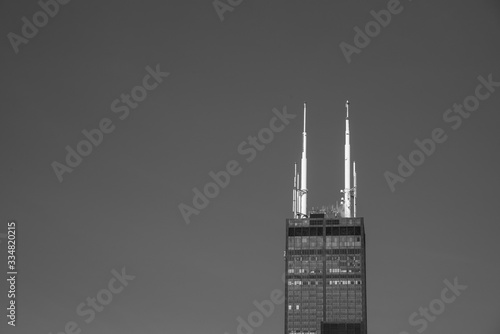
{"points": [[325, 286], [341, 328]]}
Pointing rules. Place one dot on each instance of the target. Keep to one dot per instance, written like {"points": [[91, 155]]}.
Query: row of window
{"points": [[305, 271], [333, 318], [328, 221], [328, 258], [313, 313], [331, 299], [320, 271], [305, 326], [320, 246], [319, 280], [328, 239], [328, 231], [329, 282], [335, 258], [333, 261], [317, 242], [343, 282], [345, 309], [331, 291], [337, 308], [321, 252], [330, 303], [329, 264], [304, 318]]}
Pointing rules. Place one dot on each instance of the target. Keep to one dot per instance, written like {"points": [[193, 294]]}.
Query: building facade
{"points": [[325, 281]]}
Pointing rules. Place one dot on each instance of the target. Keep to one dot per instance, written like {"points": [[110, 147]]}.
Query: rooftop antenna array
{"points": [[348, 202]]}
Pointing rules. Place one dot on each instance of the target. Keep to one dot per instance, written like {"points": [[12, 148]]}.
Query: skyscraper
{"points": [[325, 260]]}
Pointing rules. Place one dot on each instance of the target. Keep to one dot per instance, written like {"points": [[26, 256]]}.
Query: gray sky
{"points": [[119, 207]]}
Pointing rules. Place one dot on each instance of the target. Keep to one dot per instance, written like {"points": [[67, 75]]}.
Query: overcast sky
{"points": [[119, 208]]}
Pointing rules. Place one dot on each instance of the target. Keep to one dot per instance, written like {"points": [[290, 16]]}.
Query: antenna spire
{"points": [[355, 188], [303, 169], [347, 166], [294, 192]]}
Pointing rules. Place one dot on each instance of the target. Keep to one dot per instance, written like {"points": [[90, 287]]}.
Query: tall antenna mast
{"points": [[303, 169], [355, 188], [294, 196], [347, 167]]}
